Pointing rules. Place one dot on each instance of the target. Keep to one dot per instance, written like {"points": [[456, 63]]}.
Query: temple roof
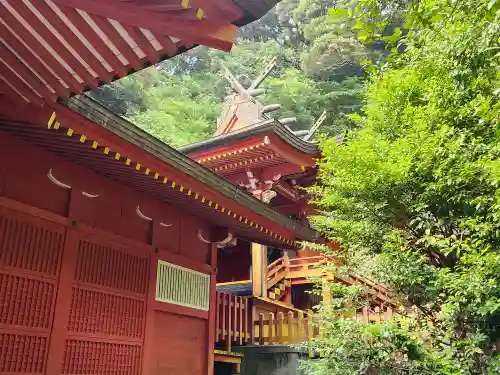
{"points": [[54, 49], [96, 138], [267, 145], [269, 126]]}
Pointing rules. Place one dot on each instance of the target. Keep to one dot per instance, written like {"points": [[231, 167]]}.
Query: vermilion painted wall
{"points": [[233, 263], [78, 274]]}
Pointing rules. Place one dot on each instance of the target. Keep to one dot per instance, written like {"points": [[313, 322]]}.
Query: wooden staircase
{"points": [[279, 290], [285, 272]]}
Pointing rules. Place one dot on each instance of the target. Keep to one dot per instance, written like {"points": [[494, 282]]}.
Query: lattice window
{"points": [[182, 286]]}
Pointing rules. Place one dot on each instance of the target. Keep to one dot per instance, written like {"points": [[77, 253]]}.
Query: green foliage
{"points": [[178, 101], [417, 186]]}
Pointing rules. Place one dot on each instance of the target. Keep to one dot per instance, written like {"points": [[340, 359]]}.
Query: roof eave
{"points": [[265, 127], [129, 132], [253, 10]]}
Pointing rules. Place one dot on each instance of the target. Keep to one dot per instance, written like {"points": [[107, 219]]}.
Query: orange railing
{"points": [[296, 327], [238, 325], [375, 315], [294, 267], [307, 263], [291, 328], [276, 271], [232, 317]]}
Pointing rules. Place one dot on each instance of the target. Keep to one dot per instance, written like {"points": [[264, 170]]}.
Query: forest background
{"points": [[318, 69]]}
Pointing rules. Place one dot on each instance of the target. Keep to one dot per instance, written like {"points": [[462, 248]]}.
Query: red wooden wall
{"points": [[233, 263], [78, 274]]}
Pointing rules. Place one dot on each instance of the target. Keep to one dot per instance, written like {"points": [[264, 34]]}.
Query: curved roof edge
{"points": [[260, 128], [253, 10], [131, 133]]}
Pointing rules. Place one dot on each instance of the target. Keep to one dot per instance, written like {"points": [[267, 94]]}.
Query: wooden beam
{"points": [[118, 41], [9, 94], [259, 270], [226, 11], [111, 59], [43, 53], [209, 33], [21, 69], [143, 43], [61, 50], [15, 45], [288, 152], [14, 81], [168, 46], [212, 312], [72, 39]]}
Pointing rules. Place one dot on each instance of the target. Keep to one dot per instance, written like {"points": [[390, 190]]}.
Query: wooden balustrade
{"points": [[276, 271], [232, 321], [291, 328], [236, 325], [297, 327], [376, 315]]}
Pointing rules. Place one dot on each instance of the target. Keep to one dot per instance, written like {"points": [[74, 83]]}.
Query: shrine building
{"points": [[108, 237]]}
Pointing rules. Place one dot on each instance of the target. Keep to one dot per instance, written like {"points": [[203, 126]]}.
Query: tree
{"points": [[416, 189], [178, 100]]}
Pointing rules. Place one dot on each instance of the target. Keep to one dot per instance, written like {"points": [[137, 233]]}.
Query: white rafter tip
{"points": [[89, 195], [165, 225], [220, 244], [56, 181], [141, 215]]}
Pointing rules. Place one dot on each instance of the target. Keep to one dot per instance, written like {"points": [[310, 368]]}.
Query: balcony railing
{"points": [[232, 323], [291, 328]]}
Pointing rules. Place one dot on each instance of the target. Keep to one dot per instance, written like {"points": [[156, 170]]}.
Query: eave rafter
{"points": [[53, 49], [258, 153]]}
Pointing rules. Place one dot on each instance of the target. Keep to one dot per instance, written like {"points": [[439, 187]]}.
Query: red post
{"points": [[212, 312], [63, 303]]}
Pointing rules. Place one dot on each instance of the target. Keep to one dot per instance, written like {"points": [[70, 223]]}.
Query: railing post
{"points": [[281, 338], [291, 339], [310, 333], [229, 337], [261, 329], [224, 315], [235, 318], [217, 317], [248, 317], [271, 328], [253, 319], [389, 313], [377, 314], [241, 333], [327, 294], [300, 325], [366, 315]]}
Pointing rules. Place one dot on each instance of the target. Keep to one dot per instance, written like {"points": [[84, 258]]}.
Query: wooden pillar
{"points": [[259, 270], [286, 260], [63, 303], [287, 298], [327, 294], [212, 312]]}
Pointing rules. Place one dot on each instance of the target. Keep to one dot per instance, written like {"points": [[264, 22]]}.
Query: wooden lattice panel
{"points": [[103, 265], [96, 312], [182, 286], [87, 357], [26, 302], [106, 321], [20, 354], [30, 261], [30, 244]]}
